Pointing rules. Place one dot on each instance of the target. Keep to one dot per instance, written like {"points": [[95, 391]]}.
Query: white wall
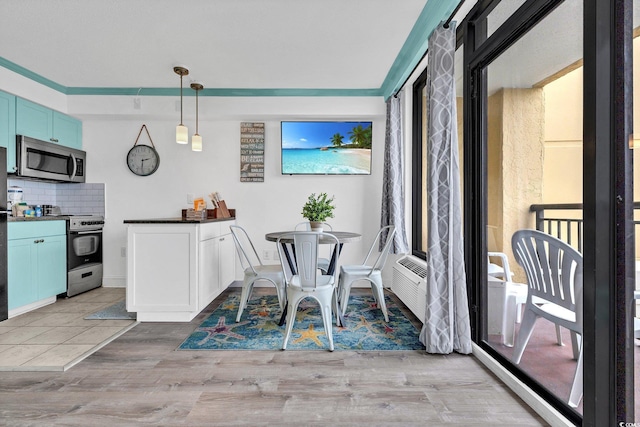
{"points": [[110, 127]]}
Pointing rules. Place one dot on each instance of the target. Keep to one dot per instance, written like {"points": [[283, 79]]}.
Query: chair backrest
{"points": [[553, 269], [306, 226], [379, 263], [305, 246], [244, 246]]}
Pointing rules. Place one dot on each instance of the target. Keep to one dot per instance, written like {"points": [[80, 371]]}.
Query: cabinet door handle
{"points": [[38, 241], [221, 239], [53, 140]]}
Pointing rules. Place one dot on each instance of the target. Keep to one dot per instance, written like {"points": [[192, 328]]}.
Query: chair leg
{"points": [[559, 335], [526, 329], [292, 308], [509, 317], [325, 308], [336, 307], [247, 287], [378, 294], [576, 388], [343, 298], [575, 344], [281, 291]]}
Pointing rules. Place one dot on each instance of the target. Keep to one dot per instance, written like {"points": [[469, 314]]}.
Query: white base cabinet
{"points": [[174, 270]]}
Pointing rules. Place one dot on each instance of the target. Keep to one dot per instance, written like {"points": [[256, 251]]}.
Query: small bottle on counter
{"points": [[38, 210]]}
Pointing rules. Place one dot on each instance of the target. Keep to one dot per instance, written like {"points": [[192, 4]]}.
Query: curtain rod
{"points": [[446, 25]]}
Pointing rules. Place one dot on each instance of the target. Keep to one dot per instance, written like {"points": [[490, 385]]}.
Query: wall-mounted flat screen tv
{"points": [[326, 148]]}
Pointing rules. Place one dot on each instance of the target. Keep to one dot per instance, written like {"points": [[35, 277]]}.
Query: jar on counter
{"points": [[38, 211]]}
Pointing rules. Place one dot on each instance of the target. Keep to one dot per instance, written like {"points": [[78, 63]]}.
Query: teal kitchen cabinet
{"points": [[45, 124], [67, 130], [8, 128], [37, 261]]}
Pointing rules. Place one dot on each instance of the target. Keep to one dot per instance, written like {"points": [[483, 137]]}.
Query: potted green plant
{"points": [[317, 210]]}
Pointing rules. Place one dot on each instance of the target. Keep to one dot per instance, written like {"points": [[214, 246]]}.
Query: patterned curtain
{"points": [[393, 178], [446, 327]]}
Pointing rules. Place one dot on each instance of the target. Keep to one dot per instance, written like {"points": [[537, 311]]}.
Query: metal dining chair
{"points": [[306, 282], [372, 272], [323, 263], [254, 269]]}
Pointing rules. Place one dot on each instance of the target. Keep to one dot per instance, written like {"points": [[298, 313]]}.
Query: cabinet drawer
{"points": [[209, 231], [35, 229]]}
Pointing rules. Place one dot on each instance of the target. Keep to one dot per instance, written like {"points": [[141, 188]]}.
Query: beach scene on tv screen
{"points": [[329, 148]]}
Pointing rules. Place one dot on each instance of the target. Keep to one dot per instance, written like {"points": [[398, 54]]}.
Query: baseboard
{"points": [[114, 281], [535, 402]]}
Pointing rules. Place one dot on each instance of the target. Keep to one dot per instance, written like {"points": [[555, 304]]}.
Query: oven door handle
{"points": [[86, 232]]}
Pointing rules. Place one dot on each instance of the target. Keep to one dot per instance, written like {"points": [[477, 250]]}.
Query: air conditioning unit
{"points": [[410, 285]]}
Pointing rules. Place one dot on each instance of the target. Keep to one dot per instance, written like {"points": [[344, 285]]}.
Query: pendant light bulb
{"points": [[182, 133], [196, 142], [196, 139]]}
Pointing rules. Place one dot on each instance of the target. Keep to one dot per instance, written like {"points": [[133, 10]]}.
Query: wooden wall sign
{"points": [[251, 152]]}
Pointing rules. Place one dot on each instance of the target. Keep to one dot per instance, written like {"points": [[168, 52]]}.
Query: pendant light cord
{"points": [[181, 100], [197, 112]]}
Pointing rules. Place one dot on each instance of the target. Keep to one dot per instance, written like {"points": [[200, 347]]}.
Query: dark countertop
{"points": [[37, 218], [175, 221]]}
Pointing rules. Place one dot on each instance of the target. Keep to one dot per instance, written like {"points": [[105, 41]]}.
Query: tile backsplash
{"points": [[76, 199]]}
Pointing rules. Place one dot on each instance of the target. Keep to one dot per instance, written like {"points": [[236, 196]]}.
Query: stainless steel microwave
{"points": [[48, 161]]}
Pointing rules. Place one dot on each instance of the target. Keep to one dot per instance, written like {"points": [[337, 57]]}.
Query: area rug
{"points": [[364, 328], [117, 311]]}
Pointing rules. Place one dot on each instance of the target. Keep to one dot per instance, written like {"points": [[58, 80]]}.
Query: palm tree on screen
{"points": [[361, 137], [336, 140]]}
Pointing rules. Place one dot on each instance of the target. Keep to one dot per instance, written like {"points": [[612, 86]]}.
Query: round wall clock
{"points": [[143, 160]]}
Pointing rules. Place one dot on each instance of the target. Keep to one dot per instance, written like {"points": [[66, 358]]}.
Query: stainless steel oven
{"points": [[84, 254]]}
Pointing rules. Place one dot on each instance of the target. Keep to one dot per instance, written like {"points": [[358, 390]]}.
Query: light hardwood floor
{"points": [[140, 379]]}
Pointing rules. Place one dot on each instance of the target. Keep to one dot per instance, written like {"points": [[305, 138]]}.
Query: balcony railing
{"points": [[564, 227], [564, 221]]}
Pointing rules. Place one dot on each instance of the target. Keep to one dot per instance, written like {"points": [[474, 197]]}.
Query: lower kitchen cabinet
{"points": [[175, 269], [37, 264], [215, 276]]}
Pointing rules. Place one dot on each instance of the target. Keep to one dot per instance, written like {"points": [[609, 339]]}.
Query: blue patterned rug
{"points": [[364, 329]]}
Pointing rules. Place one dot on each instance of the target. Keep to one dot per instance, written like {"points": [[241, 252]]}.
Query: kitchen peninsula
{"points": [[176, 267]]}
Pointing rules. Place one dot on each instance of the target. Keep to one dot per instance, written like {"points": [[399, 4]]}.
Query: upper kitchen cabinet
{"points": [[8, 128], [67, 130], [45, 124]]}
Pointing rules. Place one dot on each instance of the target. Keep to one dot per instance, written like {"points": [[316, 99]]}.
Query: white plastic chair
{"points": [[323, 263], [306, 282], [254, 269], [372, 273], [515, 296], [554, 276]]}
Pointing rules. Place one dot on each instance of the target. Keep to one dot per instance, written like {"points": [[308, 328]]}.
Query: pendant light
{"points": [[196, 139], [182, 133]]}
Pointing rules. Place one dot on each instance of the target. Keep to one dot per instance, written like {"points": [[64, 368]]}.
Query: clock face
{"points": [[143, 160]]}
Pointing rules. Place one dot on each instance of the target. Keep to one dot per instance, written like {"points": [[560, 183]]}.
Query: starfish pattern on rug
{"points": [[310, 334], [221, 328]]}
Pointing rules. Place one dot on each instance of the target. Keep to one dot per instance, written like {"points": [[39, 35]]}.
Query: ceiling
{"points": [[240, 44]]}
